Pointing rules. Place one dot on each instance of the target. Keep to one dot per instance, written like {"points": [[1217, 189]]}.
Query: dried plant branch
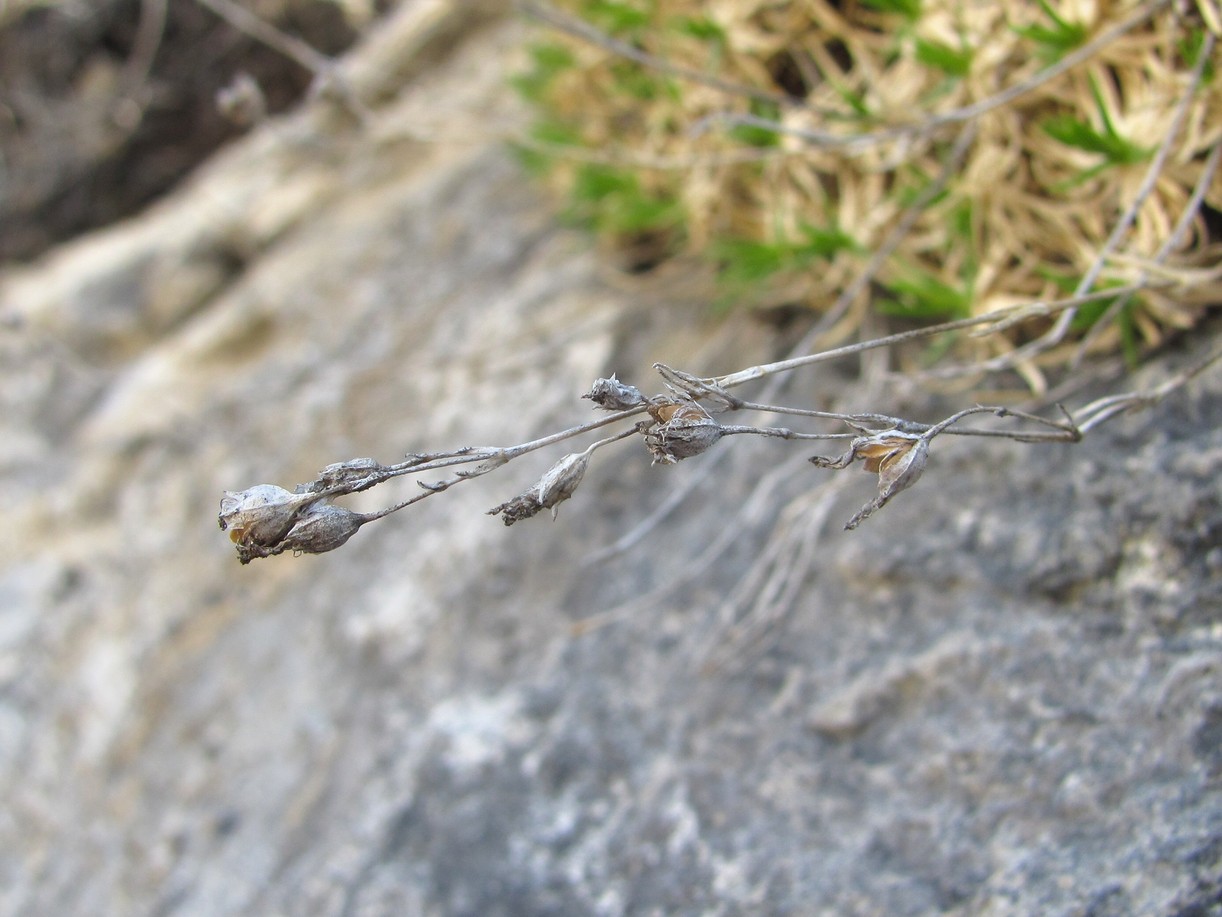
{"points": [[990, 323], [681, 422], [266, 520], [1169, 245], [250, 24], [1061, 327], [1103, 409], [933, 123], [579, 28], [328, 78]]}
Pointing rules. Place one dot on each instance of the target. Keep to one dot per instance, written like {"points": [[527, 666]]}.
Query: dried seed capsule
{"points": [[261, 515], [681, 429], [898, 458], [321, 528], [613, 395], [556, 486]]}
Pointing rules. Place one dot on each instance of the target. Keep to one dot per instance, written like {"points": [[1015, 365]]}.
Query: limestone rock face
{"points": [[1001, 695]]}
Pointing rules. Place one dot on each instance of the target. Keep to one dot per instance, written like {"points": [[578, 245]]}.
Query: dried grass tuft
{"points": [[786, 140]]}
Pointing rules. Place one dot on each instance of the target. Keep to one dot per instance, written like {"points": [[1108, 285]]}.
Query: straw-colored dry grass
{"points": [[870, 97]]}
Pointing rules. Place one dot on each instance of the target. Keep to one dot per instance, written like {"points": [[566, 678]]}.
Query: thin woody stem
{"points": [[827, 139], [513, 452], [579, 28], [1061, 432], [1025, 310], [441, 486], [1169, 245], [1103, 409], [780, 432], [244, 20]]}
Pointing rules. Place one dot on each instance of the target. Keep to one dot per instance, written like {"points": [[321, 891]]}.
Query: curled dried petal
{"points": [[613, 395], [556, 486]]}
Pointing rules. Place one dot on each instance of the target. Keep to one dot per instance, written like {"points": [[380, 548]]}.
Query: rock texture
{"points": [[1002, 695]]}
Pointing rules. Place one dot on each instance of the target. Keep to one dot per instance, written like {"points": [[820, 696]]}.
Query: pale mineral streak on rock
{"points": [[885, 692]]}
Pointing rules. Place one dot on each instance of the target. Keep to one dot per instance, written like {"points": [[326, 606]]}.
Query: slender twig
{"points": [[579, 28], [1061, 327], [930, 125], [266, 520], [903, 226], [1102, 409], [136, 69], [999, 318], [245, 21], [1170, 244]]}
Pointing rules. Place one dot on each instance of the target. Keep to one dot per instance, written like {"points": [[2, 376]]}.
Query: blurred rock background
{"points": [[1002, 695]]}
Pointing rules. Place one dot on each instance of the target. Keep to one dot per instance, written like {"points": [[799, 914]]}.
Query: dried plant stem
{"points": [[933, 123], [487, 464], [488, 457], [266, 520], [581, 29], [1102, 409], [1189, 214], [247, 22], [993, 321], [903, 226], [1060, 328]]}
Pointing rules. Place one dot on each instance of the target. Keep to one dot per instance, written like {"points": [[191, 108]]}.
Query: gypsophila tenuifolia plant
{"points": [[885, 155], [783, 142], [680, 422]]}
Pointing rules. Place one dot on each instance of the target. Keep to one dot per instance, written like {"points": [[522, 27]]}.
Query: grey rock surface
{"points": [[1002, 695]]}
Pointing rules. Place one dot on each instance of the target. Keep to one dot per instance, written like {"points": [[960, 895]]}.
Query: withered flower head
{"points": [[613, 395], [556, 486], [261, 515], [680, 430], [898, 458]]}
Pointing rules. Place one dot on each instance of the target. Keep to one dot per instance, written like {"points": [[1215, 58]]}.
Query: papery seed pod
{"points": [[897, 470], [682, 429], [898, 458], [321, 528], [900, 468], [261, 515], [613, 395], [556, 486]]}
